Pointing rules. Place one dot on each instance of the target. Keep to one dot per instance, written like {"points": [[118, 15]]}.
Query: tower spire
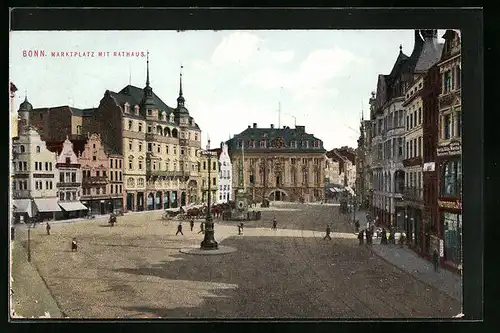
{"points": [[147, 69], [180, 81]]}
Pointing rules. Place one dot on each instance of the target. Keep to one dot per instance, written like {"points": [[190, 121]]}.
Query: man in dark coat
{"points": [[275, 223], [48, 228], [191, 224], [328, 231], [360, 237], [383, 239], [179, 229]]}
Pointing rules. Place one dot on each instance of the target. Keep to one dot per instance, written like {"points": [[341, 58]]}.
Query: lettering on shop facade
{"points": [[452, 148], [450, 204]]}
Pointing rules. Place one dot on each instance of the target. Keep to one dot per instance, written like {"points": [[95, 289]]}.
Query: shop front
{"points": [[450, 213]]}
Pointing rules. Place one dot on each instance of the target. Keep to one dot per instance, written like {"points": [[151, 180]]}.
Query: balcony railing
{"points": [[413, 194], [68, 184], [163, 173], [95, 180]]}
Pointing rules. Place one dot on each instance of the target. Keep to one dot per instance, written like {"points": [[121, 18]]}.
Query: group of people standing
{"points": [[191, 226]]}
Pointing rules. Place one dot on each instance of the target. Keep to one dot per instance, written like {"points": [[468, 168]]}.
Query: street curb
{"points": [[415, 277]]}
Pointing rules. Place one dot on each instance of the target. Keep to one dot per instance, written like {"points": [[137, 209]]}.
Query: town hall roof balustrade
{"points": [[276, 139]]}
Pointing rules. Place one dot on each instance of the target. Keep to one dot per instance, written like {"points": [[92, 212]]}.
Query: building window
{"points": [[419, 146], [214, 180], [140, 146], [400, 147], [158, 149], [419, 116], [140, 127], [452, 237], [130, 123], [22, 149], [149, 129], [305, 144], [263, 144], [204, 165], [37, 149], [458, 120], [458, 78], [150, 147], [452, 178], [140, 165], [407, 123], [120, 164], [130, 166], [61, 196], [446, 126], [130, 145], [447, 81]]}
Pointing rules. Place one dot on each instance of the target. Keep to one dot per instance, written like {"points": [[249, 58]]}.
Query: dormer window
{"points": [[293, 144], [305, 144], [240, 143], [126, 107], [316, 144], [252, 144], [150, 112], [163, 116], [136, 109], [171, 117], [262, 143]]}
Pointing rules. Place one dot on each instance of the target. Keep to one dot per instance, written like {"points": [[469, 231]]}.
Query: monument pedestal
{"points": [[240, 213]]}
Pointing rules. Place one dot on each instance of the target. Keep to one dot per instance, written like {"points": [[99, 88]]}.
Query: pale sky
{"points": [[231, 78]]}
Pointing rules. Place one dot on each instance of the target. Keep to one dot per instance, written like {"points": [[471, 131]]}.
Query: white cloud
{"points": [[311, 77], [238, 47], [244, 48]]}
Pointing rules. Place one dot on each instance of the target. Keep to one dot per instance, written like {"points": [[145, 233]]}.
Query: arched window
{"points": [[37, 149], [166, 131], [159, 130], [175, 133]]}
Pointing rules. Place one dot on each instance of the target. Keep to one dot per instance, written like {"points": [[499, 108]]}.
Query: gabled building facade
{"points": [[388, 129], [159, 145], [449, 151], [102, 177], [225, 191], [283, 164], [69, 182], [34, 178]]}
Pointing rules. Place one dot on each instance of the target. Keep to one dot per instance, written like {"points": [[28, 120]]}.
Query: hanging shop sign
{"points": [[452, 148], [441, 248], [450, 204]]}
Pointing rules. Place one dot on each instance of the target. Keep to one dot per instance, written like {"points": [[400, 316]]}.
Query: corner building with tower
{"points": [[160, 146]]}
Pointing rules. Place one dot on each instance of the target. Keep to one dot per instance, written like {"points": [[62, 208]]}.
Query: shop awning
{"points": [[23, 206], [72, 206], [47, 205]]}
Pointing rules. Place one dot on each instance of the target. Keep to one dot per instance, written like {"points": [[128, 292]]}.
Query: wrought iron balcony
{"points": [[68, 184], [95, 180], [164, 173], [413, 194]]}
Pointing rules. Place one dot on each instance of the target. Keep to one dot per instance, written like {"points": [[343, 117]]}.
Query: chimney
{"points": [[254, 125], [248, 126], [272, 125]]}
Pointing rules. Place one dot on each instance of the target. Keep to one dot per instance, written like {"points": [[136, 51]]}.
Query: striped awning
{"points": [[72, 206], [47, 205], [23, 206]]}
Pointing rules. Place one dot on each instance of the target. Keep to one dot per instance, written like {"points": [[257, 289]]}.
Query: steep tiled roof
{"points": [[56, 146], [431, 53]]}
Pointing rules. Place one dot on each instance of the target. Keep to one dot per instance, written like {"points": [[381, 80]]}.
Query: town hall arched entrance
{"points": [[277, 195]]}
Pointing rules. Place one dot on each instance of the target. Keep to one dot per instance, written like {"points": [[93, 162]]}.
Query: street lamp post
{"points": [[209, 242], [29, 244]]}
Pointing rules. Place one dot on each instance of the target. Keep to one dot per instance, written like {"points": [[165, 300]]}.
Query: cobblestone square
{"points": [[135, 269]]}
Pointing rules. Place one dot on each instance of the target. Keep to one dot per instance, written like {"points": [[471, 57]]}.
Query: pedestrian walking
{"points": [[435, 260], [202, 230], [356, 225], [392, 236], [360, 237], [275, 223], [383, 238], [74, 245], [191, 224], [179, 229], [48, 228], [328, 230]]}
